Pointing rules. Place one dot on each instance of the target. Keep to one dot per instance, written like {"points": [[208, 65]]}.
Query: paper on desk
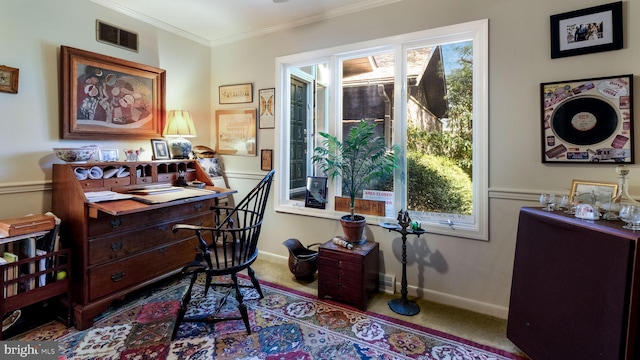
{"points": [[97, 196]]}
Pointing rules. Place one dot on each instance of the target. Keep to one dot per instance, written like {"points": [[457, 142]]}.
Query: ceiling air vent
{"points": [[115, 36]]}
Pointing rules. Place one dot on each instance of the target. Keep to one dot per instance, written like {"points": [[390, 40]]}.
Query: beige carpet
{"points": [[469, 325]]}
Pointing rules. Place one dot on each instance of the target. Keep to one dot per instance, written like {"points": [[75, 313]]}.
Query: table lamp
{"points": [[179, 126]]}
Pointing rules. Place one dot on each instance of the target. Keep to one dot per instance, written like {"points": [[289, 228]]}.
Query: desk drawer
{"points": [[118, 275], [117, 181], [117, 246], [91, 184], [108, 224]]}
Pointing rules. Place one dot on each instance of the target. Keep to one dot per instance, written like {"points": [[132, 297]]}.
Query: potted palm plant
{"points": [[358, 160]]}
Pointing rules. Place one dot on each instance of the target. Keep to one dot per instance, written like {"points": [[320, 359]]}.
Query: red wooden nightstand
{"points": [[348, 276]]}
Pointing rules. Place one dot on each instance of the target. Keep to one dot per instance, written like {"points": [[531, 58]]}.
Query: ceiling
{"points": [[214, 22]]}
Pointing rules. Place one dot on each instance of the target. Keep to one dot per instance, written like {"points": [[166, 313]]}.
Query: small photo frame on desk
{"points": [[316, 194], [108, 155], [584, 191], [160, 149]]}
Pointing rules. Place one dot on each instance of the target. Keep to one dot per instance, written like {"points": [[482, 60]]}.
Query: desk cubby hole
{"points": [[144, 173]]}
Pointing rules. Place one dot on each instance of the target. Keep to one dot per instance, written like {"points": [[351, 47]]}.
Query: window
{"points": [[427, 92]]}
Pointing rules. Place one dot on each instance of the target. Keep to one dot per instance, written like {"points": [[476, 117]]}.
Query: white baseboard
{"points": [[389, 285]]}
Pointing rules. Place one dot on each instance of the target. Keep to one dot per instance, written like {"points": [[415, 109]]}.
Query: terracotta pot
{"points": [[353, 229]]}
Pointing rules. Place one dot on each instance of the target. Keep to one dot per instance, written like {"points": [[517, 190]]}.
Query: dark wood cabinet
{"points": [[575, 288], [120, 246], [348, 275]]}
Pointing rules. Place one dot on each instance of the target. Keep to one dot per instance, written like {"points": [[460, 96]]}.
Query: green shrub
{"points": [[437, 184]]}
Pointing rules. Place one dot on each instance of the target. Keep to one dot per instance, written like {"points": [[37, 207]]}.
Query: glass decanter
{"points": [[622, 198]]}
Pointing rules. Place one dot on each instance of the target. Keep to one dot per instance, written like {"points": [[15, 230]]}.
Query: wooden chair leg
{"points": [[207, 284], [254, 281], [184, 304], [241, 306]]}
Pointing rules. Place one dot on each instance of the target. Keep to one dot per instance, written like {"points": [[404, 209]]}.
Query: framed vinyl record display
{"points": [[588, 120]]}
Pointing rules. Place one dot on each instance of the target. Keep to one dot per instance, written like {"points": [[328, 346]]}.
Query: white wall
{"points": [[32, 33], [468, 273]]}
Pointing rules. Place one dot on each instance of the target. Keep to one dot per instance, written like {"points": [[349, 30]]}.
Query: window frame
{"points": [[477, 31]]}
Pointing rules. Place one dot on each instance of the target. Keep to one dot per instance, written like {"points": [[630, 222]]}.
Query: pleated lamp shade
{"points": [[179, 125]]}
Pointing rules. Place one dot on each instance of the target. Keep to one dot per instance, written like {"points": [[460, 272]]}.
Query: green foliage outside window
{"points": [[440, 163]]}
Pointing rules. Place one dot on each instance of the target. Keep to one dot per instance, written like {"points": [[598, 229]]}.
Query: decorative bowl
{"points": [[75, 155], [631, 215]]}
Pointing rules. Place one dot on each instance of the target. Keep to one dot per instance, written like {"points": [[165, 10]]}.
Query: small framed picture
{"points": [[316, 195], [108, 155], [586, 31], [9, 79], [236, 94], [267, 113], [266, 159], [160, 149], [592, 192]]}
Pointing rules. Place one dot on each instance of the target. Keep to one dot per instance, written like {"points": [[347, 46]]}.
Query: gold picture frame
{"points": [[106, 98], [235, 94], [236, 132], [603, 191], [9, 79]]}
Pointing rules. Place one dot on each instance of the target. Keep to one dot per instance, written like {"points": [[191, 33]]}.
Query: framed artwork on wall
{"points": [[107, 98], [588, 120], [235, 94], [267, 113], [236, 132], [9, 79], [266, 159], [585, 31]]}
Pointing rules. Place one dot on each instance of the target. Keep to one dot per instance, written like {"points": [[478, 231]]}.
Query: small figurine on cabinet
{"points": [[132, 154], [182, 178]]}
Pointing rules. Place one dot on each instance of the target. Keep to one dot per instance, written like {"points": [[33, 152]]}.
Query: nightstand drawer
{"points": [[338, 266]]}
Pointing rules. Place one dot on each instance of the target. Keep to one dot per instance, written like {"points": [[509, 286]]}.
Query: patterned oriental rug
{"points": [[286, 324]]}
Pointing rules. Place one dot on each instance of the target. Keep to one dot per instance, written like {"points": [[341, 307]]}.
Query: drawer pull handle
{"points": [[117, 276], [116, 246], [197, 206], [115, 223]]}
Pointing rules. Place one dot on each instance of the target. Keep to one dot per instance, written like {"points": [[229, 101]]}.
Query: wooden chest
{"points": [[348, 276]]}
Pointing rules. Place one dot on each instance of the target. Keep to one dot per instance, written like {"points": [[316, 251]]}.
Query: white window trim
{"points": [[478, 31]]}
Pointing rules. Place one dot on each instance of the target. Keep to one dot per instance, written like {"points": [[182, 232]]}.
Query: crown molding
{"points": [[345, 10]]}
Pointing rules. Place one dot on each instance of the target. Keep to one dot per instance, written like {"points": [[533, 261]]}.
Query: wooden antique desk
{"points": [[123, 245], [348, 275], [575, 288]]}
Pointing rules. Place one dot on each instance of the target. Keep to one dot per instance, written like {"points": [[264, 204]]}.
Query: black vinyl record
{"points": [[584, 121]]}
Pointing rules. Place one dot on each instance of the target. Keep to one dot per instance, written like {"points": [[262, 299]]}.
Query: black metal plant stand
{"points": [[403, 305]]}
